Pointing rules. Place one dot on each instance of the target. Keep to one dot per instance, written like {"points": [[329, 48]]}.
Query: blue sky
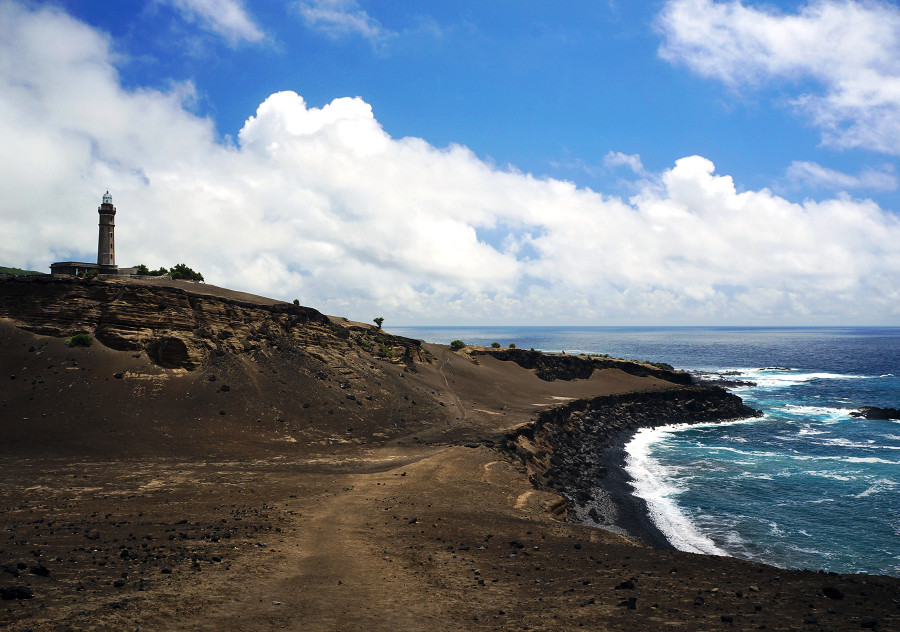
{"points": [[666, 162]]}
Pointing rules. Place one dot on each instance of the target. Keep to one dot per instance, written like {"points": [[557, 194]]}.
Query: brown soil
{"points": [[253, 494]]}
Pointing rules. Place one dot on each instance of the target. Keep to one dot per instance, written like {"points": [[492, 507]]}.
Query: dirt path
{"points": [[459, 405]]}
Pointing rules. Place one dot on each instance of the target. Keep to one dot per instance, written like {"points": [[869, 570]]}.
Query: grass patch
{"points": [[79, 340]]}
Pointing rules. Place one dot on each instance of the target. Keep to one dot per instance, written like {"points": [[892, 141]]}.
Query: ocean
{"points": [[804, 486]]}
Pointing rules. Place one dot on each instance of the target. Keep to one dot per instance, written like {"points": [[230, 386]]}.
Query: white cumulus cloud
{"points": [[850, 48], [321, 204]]}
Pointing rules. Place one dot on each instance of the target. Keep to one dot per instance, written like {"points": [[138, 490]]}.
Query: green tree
{"points": [[456, 345], [495, 345], [378, 321], [512, 345], [297, 301], [141, 269], [181, 271]]}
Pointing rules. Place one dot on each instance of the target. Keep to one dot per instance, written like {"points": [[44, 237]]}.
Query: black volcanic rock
{"points": [[563, 449], [550, 367], [873, 412]]}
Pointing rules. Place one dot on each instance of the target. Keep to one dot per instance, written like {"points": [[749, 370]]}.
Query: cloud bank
{"points": [[851, 49], [323, 205]]}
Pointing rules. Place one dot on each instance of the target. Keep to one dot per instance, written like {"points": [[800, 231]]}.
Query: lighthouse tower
{"points": [[106, 248]]}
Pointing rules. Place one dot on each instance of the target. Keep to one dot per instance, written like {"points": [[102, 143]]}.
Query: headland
{"points": [[217, 460]]}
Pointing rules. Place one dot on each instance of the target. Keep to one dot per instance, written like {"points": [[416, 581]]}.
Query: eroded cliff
{"points": [[180, 327]]}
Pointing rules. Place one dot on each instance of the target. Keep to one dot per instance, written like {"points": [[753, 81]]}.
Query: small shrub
{"points": [[79, 340], [512, 345], [378, 321], [296, 301], [663, 365], [90, 274], [495, 345], [456, 345]]}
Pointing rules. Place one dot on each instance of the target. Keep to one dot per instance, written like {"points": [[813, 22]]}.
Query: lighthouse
{"points": [[106, 246]]}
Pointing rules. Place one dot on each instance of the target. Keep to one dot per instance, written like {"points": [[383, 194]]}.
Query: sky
{"points": [[668, 162]]}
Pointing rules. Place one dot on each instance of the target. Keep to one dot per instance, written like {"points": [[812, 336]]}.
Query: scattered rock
{"points": [[866, 622], [626, 585], [832, 593], [39, 569], [630, 603], [727, 618]]}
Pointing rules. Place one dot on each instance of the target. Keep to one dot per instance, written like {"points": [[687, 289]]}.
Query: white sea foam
{"points": [[878, 486], [828, 412], [872, 459], [847, 443], [652, 482], [784, 379], [832, 475], [757, 476], [843, 459]]}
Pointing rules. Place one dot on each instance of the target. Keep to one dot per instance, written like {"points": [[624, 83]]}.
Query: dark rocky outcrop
{"points": [[553, 366], [719, 379], [873, 412]]}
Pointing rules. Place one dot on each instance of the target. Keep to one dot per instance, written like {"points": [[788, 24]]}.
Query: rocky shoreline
{"points": [[578, 450]]}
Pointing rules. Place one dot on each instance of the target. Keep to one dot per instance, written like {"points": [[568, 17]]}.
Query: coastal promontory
{"points": [[202, 459]]}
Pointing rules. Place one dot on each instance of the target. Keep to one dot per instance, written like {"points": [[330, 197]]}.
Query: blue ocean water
{"points": [[804, 486]]}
